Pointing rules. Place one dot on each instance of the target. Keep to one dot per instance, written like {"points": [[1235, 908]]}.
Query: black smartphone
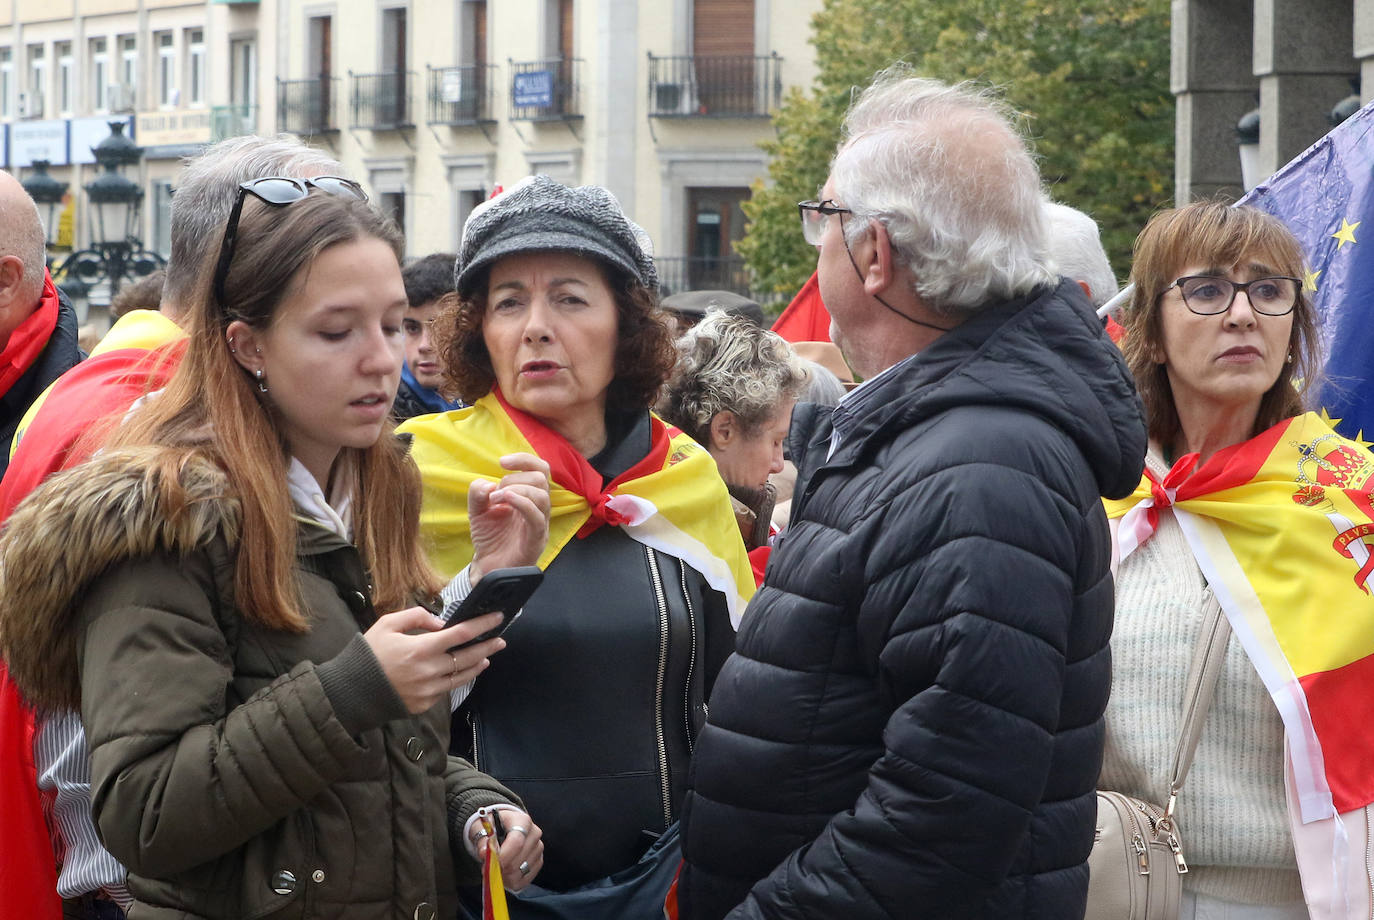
{"points": [[504, 590]]}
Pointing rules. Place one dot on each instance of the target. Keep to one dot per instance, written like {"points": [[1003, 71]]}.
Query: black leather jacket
{"points": [[591, 712]]}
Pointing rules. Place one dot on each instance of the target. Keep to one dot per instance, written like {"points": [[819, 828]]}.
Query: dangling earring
{"points": [[262, 384]]}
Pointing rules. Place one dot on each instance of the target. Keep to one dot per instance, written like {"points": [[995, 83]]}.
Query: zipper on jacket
{"points": [[662, 678], [691, 659], [472, 724]]}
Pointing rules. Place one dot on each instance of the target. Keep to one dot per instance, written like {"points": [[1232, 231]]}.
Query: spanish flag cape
{"points": [[673, 500], [1280, 526]]}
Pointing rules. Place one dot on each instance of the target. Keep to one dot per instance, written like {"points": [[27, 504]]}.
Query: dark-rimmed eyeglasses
{"points": [[813, 215], [1207, 295], [277, 191]]}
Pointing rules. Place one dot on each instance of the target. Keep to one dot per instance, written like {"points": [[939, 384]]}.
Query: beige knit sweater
{"points": [[1231, 812]]}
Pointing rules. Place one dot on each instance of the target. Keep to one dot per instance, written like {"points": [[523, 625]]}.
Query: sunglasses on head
{"points": [[277, 191]]}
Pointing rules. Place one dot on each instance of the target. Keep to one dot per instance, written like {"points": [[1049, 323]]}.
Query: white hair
{"points": [[205, 195], [944, 170], [1076, 251], [728, 363]]}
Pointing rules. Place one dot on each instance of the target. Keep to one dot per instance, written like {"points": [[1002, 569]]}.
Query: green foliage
{"points": [[1092, 79]]}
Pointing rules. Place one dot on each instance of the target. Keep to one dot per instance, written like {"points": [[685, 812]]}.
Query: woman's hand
{"points": [[522, 851], [413, 649], [509, 519]]}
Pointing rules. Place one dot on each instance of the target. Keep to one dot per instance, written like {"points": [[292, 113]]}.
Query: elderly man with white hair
{"points": [[911, 724], [1076, 252]]}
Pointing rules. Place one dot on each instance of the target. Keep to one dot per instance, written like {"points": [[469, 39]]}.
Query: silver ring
{"points": [[524, 867], [512, 830], [480, 834]]}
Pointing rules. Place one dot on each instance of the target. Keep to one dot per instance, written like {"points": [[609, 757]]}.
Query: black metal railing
{"points": [[232, 121], [379, 101], [307, 106], [704, 273], [460, 95], [716, 86], [545, 89]]}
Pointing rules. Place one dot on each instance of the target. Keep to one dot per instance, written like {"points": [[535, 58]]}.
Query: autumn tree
{"points": [[1091, 78]]}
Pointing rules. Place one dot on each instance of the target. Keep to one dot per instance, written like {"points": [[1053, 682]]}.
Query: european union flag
{"points": [[1326, 197]]}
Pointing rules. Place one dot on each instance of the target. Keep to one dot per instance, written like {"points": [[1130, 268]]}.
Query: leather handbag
{"points": [[1136, 868]]}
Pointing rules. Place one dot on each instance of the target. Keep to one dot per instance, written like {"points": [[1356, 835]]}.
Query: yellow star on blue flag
{"points": [[1346, 234], [1331, 185]]}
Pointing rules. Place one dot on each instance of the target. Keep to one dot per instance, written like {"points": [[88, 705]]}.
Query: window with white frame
{"points": [[167, 95], [128, 71], [195, 66], [38, 82], [66, 74], [243, 71], [100, 75], [6, 82]]}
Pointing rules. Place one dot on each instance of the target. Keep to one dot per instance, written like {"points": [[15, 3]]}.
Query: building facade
{"points": [[431, 105], [1260, 80]]}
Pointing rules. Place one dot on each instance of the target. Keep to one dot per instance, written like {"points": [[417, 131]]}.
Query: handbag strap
{"points": [[1203, 672]]}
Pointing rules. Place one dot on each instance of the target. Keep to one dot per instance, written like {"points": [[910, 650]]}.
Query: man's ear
{"points": [[12, 282], [880, 269], [242, 341], [724, 428]]}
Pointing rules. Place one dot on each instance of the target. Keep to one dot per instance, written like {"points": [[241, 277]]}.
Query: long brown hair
{"points": [[212, 406], [1213, 233]]}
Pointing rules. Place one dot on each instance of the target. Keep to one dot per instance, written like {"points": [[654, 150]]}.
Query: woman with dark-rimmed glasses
{"points": [[1243, 505], [268, 738]]}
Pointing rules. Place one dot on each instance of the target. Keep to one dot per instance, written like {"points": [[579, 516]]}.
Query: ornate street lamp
{"points": [[115, 200], [47, 193], [116, 253]]}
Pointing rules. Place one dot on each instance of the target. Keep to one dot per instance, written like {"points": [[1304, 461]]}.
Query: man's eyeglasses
{"points": [[277, 191], [1206, 295], [813, 215]]}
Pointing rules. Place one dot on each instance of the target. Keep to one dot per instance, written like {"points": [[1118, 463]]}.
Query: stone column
{"points": [[1304, 58], [1364, 46], [1214, 85]]}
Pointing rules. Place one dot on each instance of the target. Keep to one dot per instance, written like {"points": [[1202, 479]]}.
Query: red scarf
{"points": [[570, 469], [27, 342]]}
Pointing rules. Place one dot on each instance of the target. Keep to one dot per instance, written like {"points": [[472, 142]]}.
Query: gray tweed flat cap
{"points": [[541, 215]]}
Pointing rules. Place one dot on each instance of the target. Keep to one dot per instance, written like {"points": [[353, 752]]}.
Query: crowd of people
{"points": [[846, 629]]}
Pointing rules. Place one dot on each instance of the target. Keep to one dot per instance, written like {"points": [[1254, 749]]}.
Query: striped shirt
{"points": [[64, 778]]}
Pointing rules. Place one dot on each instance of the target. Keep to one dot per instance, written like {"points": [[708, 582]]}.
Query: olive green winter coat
{"points": [[238, 772]]}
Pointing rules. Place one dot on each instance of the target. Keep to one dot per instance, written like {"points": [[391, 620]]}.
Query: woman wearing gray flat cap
{"points": [[592, 711]]}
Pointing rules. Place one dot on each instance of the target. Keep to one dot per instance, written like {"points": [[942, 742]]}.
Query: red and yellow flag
{"points": [[493, 888], [1281, 526], [673, 500]]}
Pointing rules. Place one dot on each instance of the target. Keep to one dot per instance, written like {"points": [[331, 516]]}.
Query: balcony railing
{"points": [[543, 90], [730, 86], [307, 106], [704, 273], [460, 95], [232, 121], [379, 101]]}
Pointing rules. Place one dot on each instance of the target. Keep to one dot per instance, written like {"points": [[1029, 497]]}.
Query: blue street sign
{"points": [[534, 88]]}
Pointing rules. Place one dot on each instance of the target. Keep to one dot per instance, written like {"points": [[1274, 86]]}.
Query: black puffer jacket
{"points": [[912, 723]]}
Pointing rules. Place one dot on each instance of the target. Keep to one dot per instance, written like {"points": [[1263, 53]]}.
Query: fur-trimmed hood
{"points": [[120, 505]]}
